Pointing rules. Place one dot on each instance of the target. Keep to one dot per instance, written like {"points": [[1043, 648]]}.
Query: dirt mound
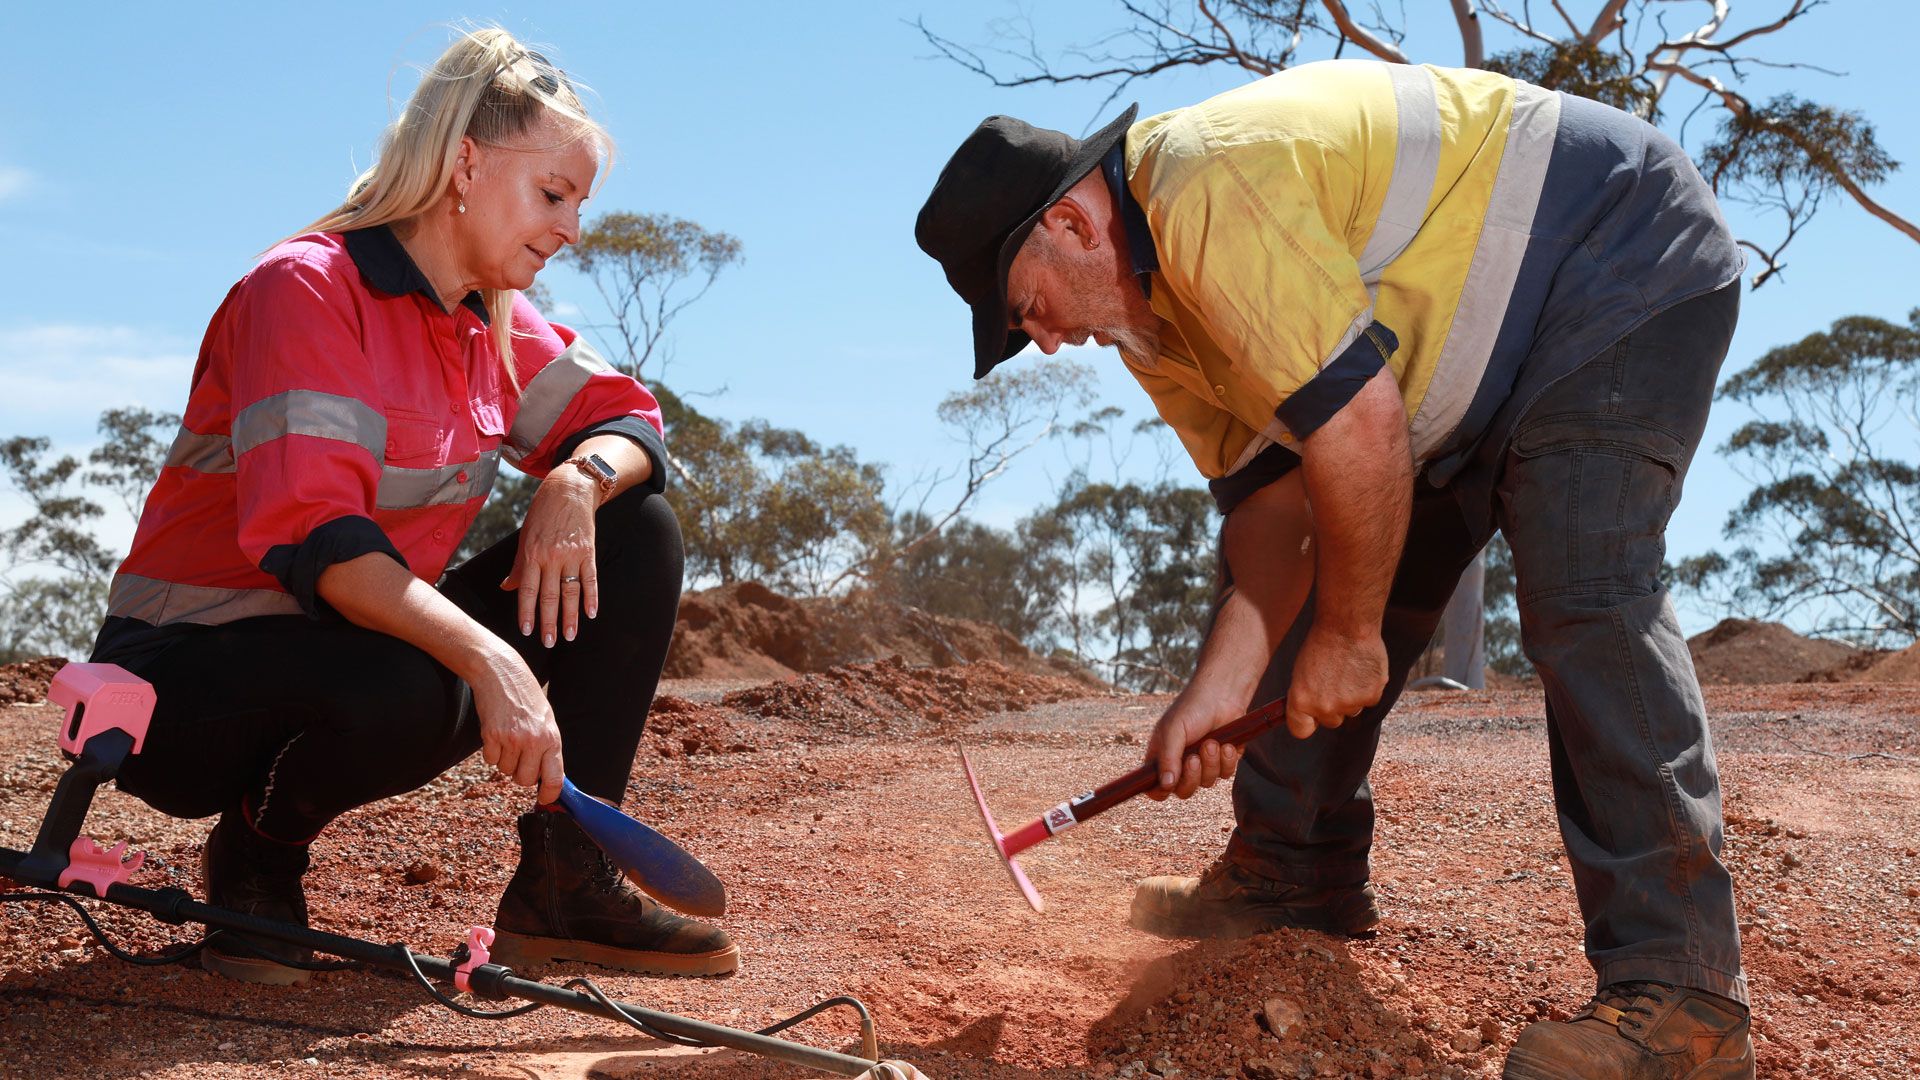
{"points": [[677, 727], [748, 631], [1901, 666], [1284, 1004], [891, 696], [1752, 651], [25, 683]]}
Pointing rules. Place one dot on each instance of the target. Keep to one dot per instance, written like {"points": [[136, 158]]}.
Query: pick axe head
{"points": [[656, 865], [1000, 842]]}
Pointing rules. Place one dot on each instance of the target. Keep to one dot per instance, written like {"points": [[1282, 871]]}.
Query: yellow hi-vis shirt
{"points": [[1457, 226]]}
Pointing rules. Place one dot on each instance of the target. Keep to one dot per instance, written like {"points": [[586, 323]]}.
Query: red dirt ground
{"points": [[856, 864]]}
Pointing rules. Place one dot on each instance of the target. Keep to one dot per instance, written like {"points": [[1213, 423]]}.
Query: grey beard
{"points": [[1139, 348]]}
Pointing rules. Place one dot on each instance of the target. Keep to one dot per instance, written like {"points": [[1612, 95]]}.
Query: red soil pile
{"points": [[25, 683], [677, 727], [1901, 666], [1751, 651], [890, 696], [748, 631]]}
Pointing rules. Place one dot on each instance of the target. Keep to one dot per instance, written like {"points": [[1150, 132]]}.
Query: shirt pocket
{"points": [[414, 437], [489, 420]]}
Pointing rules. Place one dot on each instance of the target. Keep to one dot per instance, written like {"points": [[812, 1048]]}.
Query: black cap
{"points": [[988, 199]]}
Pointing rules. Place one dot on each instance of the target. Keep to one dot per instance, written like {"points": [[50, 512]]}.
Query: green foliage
{"points": [[1588, 71], [972, 571], [648, 268], [1504, 653], [53, 594], [1789, 142], [768, 503], [1829, 529]]}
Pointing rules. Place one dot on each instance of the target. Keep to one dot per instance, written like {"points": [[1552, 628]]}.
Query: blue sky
{"points": [[165, 145]]}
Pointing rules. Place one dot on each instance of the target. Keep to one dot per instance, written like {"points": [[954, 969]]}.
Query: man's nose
{"points": [[1048, 341]]}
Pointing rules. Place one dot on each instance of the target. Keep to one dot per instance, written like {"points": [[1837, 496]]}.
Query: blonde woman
{"points": [[351, 401]]}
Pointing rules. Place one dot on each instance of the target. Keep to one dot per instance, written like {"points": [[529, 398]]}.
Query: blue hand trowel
{"points": [[656, 865]]}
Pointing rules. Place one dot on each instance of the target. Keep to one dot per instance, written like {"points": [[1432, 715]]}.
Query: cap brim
{"points": [[994, 340]]}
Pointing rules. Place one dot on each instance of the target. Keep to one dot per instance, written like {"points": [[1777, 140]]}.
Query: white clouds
{"points": [[14, 180], [55, 379]]}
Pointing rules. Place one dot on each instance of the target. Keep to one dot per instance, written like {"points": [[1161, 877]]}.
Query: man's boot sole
{"points": [[1523, 1065], [1357, 917], [521, 950], [252, 969]]}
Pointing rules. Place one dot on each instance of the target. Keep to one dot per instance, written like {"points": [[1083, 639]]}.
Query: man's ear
{"points": [[1070, 216]]}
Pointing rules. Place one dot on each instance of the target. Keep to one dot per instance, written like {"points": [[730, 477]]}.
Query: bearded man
{"points": [[1388, 309]]}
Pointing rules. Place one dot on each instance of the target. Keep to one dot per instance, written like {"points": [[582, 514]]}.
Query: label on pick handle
{"points": [[1061, 818]]}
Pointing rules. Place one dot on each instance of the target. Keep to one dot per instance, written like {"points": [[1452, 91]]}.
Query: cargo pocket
{"points": [[1585, 502]]}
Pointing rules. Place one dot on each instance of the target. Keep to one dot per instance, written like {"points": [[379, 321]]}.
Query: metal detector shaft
{"points": [[1138, 782], [489, 980]]}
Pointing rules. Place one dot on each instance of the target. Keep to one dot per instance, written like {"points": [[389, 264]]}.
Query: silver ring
{"points": [[569, 580]]}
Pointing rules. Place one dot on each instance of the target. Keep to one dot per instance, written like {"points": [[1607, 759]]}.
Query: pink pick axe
{"points": [[1103, 798]]}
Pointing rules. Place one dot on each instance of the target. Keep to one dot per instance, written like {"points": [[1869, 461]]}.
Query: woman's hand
{"points": [[554, 570], [518, 735], [1192, 716]]}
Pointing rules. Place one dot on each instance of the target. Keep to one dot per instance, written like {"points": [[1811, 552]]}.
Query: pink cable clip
{"points": [[479, 940], [98, 866]]}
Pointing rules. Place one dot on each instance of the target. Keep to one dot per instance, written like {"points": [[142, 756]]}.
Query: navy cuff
{"points": [[298, 566], [633, 428], [1267, 466], [1328, 392]]}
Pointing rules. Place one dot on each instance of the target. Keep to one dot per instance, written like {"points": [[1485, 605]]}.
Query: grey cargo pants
{"points": [[1583, 490]]}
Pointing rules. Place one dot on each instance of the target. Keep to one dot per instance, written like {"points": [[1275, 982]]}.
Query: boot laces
{"points": [[1636, 998]]}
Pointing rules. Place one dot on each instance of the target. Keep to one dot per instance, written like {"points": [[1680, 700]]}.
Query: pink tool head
{"points": [[1000, 842], [101, 697]]}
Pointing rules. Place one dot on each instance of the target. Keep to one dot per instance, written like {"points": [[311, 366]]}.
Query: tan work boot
{"points": [[1639, 1031], [1229, 901], [250, 874], [566, 901]]}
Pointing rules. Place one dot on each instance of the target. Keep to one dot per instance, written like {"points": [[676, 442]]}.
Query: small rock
{"points": [[1283, 1017], [227, 1046], [310, 1061], [421, 871]]}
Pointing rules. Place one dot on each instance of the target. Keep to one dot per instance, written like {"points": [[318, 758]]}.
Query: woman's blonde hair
{"points": [[486, 86]]}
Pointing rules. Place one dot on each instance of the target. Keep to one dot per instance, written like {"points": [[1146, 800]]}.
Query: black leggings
{"points": [[303, 720]]}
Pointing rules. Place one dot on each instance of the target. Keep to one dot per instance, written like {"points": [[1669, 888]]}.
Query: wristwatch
{"points": [[596, 467]]}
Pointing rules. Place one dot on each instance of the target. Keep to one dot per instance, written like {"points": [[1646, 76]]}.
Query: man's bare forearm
{"points": [[1359, 479], [1268, 548]]}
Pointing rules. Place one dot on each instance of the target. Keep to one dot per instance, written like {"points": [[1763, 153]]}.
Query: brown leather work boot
{"points": [[253, 875], [1229, 901], [568, 902], [1639, 1031]]}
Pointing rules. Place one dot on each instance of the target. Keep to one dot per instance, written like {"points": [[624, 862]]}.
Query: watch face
{"points": [[600, 466]]}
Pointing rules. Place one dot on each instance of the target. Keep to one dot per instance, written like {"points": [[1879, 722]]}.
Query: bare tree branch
{"points": [[1472, 49], [1361, 36], [1605, 23]]}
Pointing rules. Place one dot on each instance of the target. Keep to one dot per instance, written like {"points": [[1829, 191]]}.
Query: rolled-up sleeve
{"points": [[569, 394], [1246, 241], [308, 432]]}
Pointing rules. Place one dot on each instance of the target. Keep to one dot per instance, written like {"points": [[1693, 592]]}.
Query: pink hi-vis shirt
{"points": [[337, 409]]}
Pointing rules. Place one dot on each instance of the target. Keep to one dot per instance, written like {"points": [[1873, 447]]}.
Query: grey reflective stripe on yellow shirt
{"points": [[160, 602], [547, 396], [462, 481], [1416, 162], [313, 413], [201, 453], [1497, 254]]}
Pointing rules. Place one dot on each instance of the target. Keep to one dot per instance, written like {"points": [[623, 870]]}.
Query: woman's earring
{"points": [[463, 208]]}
